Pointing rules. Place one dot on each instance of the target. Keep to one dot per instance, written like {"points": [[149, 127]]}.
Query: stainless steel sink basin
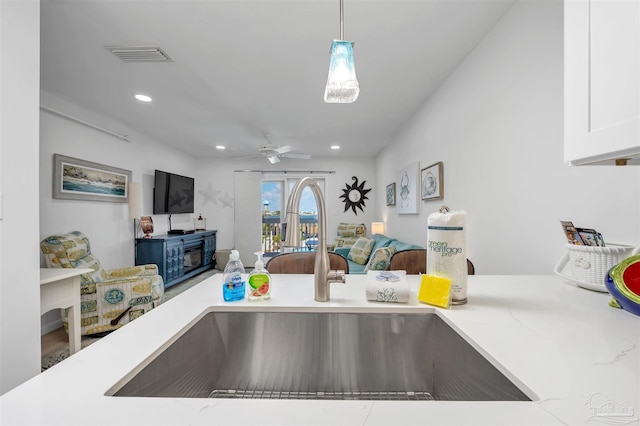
{"points": [[369, 356]]}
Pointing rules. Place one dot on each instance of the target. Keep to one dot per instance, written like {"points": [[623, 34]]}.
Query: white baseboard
{"points": [[50, 321]]}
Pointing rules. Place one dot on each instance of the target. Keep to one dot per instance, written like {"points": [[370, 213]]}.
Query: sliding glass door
{"points": [[275, 193]]}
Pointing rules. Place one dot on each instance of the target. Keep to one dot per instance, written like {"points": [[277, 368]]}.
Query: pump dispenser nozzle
{"points": [[259, 263], [234, 255]]}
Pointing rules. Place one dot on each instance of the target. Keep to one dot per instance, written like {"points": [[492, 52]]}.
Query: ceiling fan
{"points": [[273, 153]]}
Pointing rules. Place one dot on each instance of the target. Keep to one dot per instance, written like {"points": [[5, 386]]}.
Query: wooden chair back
{"points": [[303, 263], [415, 262]]}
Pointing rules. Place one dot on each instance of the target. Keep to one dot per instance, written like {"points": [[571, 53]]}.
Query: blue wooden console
{"points": [[178, 256]]}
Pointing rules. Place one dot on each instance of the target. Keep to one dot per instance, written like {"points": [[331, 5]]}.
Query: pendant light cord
{"points": [[341, 19]]}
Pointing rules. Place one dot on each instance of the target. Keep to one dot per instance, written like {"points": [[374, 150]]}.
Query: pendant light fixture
{"points": [[342, 85]]}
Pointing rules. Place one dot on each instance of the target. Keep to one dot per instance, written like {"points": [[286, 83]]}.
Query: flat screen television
{"points": [[173, 193]]}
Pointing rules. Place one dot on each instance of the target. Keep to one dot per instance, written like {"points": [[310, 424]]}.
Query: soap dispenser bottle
{"points": [[259, 287], [233, 280]]}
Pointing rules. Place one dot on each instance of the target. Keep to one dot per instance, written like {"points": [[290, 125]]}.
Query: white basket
{"points": [[589, 265]]}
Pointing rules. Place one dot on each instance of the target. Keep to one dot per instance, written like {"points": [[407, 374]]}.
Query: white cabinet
{"points": [[602, 81]]}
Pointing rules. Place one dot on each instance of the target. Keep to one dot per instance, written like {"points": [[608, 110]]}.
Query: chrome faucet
{"points": [[323, 276]]}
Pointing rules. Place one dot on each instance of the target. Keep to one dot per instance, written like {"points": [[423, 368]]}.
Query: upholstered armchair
{"points": [[108, 298], [347, 235]]}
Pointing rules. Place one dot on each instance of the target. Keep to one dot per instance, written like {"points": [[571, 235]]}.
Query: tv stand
{"points": [[178, 256], [180, 231]]}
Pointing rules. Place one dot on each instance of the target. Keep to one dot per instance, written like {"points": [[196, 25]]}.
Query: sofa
{"points": [[372, 254]]}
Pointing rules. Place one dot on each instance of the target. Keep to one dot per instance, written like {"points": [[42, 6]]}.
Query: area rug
{"points": [[50, 359]]}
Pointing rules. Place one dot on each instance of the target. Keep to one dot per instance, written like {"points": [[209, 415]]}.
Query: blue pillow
{"points": [[381, 241], [399, 245], [344, 251]]}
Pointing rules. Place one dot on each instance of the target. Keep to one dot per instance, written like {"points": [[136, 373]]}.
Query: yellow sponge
{"points": [[435, 290]]}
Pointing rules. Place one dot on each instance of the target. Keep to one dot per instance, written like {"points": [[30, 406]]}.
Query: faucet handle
{"points": [[337, 276]]}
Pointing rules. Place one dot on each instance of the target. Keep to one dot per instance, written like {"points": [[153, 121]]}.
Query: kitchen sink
{"points": [[328, 355]]}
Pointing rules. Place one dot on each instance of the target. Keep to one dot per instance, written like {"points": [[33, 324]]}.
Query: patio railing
{"points": [[272, 233]]}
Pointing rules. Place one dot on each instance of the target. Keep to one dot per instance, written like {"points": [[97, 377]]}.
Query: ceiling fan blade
{"points": [[283, 149], [245, 157], [298, 156], [273, 159]]}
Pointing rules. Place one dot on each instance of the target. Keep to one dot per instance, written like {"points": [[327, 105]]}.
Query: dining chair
{"points": [[415, 262], [303, 263]]}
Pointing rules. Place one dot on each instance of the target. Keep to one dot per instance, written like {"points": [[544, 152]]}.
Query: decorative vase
{"points": [[146, 224]]}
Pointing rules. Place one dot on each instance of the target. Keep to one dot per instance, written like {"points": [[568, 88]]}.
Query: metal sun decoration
{"points": [[354, 195]]}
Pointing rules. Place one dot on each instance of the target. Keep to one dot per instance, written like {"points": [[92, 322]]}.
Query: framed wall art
{"points": [[75, 179], [432, 182], [391, 194], [407, 185]]}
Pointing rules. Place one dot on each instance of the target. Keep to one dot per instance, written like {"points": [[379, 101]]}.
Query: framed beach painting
{"points": [[407, 189], [75, 179], [391, 194], [432, 182]]}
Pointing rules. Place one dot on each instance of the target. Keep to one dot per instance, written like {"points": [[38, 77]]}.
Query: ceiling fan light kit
{"points": [[342, 84], [273, 158]]}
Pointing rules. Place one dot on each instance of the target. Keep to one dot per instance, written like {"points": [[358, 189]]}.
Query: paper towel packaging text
{"points": [[446, 251]]}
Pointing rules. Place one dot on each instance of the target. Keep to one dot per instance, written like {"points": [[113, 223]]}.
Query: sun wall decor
{"points": [[353, 196]]}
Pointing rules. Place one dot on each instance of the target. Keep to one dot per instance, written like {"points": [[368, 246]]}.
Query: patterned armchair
{"points": [[348, 234], [108, 298]]}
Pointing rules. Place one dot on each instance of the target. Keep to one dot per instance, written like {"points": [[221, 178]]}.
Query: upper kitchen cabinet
{"points": [[602, 81]]}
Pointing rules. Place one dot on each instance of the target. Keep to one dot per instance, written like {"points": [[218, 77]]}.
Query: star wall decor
{"points": [[354, 196], [176, 199], [209, 194], [226, 200]]}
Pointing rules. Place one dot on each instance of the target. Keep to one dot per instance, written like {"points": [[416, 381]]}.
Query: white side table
{"points": [[60, 288]]}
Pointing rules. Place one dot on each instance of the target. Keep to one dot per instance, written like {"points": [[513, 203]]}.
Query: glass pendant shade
{"points": [[342, 85]]}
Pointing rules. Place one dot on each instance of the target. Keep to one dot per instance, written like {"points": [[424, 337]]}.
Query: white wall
{"points": [[19, 273], [497, 124]]}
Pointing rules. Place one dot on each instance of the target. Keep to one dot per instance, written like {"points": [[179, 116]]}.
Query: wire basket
{"points": [[589, 265]]}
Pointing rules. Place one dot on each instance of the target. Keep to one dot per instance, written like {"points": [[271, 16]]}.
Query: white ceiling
{"points": [[242, 69]]}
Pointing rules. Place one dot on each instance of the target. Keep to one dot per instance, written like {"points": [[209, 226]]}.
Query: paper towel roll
{"points": [[446, 253]]}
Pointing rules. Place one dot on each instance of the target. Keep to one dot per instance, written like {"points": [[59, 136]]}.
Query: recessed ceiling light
{"points": [[335, 147], [221, 147], [143, 98]]}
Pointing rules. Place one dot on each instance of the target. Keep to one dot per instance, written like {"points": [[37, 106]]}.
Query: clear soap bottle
{"points": [[233, 279], [259, 287]]}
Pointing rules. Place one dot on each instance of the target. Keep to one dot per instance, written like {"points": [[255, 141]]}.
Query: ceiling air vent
{"points": [[139, 53]]}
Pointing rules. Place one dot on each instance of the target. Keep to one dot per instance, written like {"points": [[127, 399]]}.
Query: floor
{"points": [[53, 341], [58, 340]]}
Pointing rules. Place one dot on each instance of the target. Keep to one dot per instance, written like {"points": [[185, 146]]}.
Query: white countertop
{"points": [[578, 356]]}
